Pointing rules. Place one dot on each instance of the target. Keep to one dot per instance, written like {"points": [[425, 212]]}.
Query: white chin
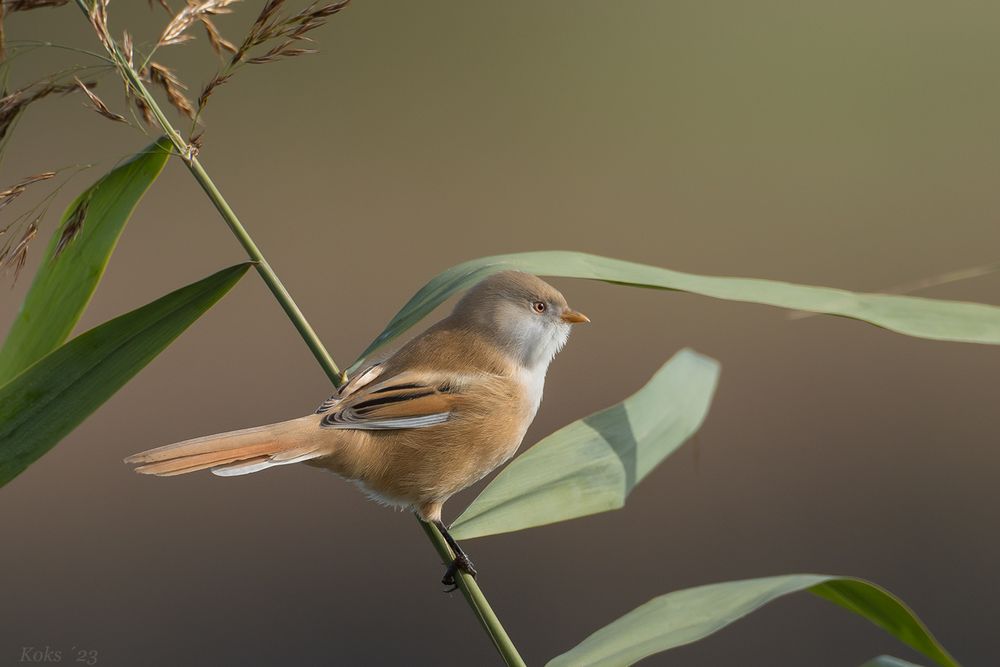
{"points": [[540, 343], [557, 339]]}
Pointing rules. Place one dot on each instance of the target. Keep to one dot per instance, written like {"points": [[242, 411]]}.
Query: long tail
{"points": [[236, 452]]}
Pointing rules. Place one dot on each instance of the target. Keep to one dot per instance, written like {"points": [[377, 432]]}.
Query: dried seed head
{"points": [[196, 142], [147, 113], [127, 48], [73, 225], [99, 105], [25, 5], [12, 104], [166, 79], [98, 16], [9, 195], [215, 38], [272, 24], [13, 192], [36, 178], [175, 32], [13, 258], [209, 88]]}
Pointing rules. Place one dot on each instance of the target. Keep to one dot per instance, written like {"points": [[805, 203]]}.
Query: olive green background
{"points": [[852, 144]]}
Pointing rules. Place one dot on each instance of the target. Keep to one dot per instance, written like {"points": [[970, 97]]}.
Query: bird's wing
{"points": [[357, 382], [411, 399]]}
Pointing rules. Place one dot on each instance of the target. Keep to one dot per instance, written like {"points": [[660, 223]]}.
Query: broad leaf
{"points": [[49, 399], [682, 617], [68, 277], [913, 316], [592, 464]]}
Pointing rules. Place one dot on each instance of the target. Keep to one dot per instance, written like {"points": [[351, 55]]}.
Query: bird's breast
{"points": [[532, 381]]}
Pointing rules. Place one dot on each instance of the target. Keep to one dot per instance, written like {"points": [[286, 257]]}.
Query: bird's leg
{"points": [[461, 561]]}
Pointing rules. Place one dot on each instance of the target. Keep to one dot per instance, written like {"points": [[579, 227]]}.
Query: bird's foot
{"points": [[462, 563]]}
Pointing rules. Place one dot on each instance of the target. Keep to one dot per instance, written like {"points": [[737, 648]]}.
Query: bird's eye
{"points": [[539, 306]]}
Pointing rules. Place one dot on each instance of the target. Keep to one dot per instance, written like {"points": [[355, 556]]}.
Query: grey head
{"points": [[522, 313]]}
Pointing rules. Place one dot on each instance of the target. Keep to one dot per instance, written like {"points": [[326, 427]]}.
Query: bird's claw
{"points": [[462, 563]]}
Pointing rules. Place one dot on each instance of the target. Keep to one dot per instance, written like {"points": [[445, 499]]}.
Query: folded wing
{"points": [[412, 399]]}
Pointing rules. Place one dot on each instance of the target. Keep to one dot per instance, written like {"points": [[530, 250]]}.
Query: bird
{"points": [[418, 426]]}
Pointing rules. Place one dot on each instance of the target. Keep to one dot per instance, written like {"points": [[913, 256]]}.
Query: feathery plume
{"points": [[73, 225], [12, 104], [215, 38], [98, 16], [99, 105], [13, 192], [25, 5], [13, 258], [273, 25], [176, 30], [166, 79]]}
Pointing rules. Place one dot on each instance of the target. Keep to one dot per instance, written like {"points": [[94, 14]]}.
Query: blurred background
{"points": [[852, 144]]}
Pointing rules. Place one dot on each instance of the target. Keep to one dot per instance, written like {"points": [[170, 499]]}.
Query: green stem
{"points": [[474, 596], [470, 589], [187, 154], [267, 273]]}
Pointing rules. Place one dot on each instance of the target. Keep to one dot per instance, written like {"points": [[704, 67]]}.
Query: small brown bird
{"points": [[414, 429]]}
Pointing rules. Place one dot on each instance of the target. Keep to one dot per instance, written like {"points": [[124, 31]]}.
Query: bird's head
{"points": [[525, 315]]}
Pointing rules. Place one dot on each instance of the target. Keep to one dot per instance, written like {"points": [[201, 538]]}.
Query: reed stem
{"points": [[187, 154], [474, 596], [470, 589]]}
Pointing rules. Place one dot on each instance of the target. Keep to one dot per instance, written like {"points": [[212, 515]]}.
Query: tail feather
{"points": [[234, 453], [207, 444], [259, 463], [176, 470], [243, 467]]}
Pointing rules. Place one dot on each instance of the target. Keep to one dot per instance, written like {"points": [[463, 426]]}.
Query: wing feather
{"points": [[357, 382], [411, 399]]}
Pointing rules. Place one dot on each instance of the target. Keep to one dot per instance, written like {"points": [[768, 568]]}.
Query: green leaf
{"points": [[49, 399], [913, 316], [592, 464], [66, 280], [686, 616], [888, 661]]}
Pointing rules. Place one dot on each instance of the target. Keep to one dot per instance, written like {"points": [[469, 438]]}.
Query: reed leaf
{"points": [[592, 464], [912, 316], [76, 258], [889, 661], [685, 616], [48, 400]]}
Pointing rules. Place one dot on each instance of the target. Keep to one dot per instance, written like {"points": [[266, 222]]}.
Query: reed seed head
{"points": [[98, 104]]}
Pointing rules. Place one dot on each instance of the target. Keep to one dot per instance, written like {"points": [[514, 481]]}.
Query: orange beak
{"points": [[574, 317]]}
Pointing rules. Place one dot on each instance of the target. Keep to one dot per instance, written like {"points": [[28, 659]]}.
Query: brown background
{"points": [[843, 143]]}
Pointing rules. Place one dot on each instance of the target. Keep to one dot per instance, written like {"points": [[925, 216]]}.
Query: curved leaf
{"points": [[68, 277], [686, 616], [592, 464], [49, 399], [889, 661], [914, 316]]}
